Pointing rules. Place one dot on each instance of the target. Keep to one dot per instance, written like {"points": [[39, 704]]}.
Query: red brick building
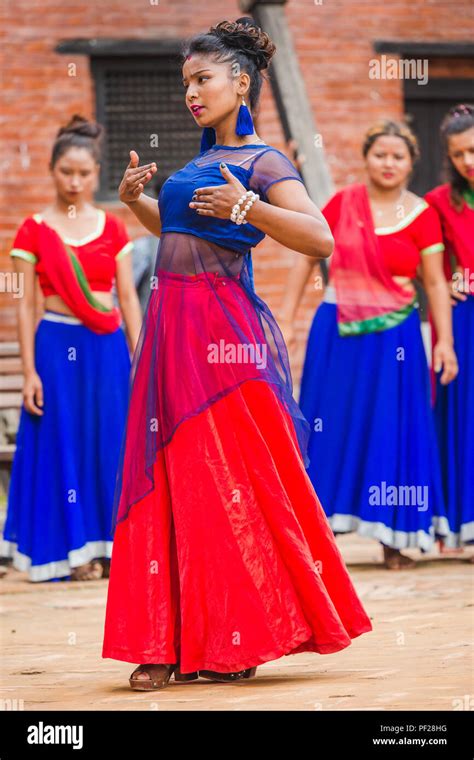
{"points": [[89, 58]]}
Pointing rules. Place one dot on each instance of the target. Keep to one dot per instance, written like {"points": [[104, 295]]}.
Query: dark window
{"points": [[425, 108], [140, 102]]}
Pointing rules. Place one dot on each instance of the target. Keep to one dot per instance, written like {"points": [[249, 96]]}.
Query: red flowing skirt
{"points": [[229, 561]]}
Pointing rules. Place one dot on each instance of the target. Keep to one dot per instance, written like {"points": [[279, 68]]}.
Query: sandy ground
{"points": [[418, 657]]}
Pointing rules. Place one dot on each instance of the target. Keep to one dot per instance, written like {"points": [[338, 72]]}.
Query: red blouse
{"points": [[458, 228], [417, 234], [97, 252]]}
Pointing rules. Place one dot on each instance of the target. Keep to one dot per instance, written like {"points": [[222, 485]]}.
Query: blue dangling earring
{"points": [[208, 138], [244, 124]]}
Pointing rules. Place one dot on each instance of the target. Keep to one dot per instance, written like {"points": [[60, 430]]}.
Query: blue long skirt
{"points": [[60, 497], [454, 414], [373, 450]]}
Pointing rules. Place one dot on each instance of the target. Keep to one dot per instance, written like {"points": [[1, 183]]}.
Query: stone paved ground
{"points": [[419, 655]]}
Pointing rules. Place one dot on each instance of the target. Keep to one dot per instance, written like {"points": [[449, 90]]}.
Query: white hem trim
{"points": [[408, 219], [465, 536], [60, 568], [396, 539], [83, 241], [123, 251], [52, 316]]}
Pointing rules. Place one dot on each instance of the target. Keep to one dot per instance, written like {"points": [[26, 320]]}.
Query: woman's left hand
{"points": [[219, 200], [444, 358]]}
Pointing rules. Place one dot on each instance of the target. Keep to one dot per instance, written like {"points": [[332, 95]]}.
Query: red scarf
{"points": [[368, 299], [68, 278]]}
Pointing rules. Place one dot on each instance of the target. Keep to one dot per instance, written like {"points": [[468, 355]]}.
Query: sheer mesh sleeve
{"points": [[270, 167]]}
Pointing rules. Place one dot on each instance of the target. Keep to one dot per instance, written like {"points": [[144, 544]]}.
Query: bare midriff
{"points": [[56, 303], [405, 283]]}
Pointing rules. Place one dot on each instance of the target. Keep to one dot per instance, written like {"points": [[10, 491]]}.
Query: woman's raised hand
{"points": [[135, 178]]}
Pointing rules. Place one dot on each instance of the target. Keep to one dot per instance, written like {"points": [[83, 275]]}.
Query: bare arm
{"points": [[437, 291], [292, 219], [131, 193], [147, 212], [295, 286], [32, 385], [128, 300]]}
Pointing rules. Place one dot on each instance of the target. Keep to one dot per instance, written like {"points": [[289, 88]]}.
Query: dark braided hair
{"points": [[78, 133], [458, 119], [240, 42]]}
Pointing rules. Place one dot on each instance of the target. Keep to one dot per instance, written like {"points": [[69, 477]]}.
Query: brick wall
{"points": [[333, 41]]}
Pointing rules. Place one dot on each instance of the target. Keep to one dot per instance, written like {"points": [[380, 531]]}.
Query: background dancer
{"points": [[76, 366], [365, 379]]}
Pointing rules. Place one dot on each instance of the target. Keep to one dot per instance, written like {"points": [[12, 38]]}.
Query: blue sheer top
{"points": [[257, 167]]}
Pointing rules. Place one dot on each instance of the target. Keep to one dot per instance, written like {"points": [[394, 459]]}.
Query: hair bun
{"points": [[247, 37], [81, 126], [462, 109]]}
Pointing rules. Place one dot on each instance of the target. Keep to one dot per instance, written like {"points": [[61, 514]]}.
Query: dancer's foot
{"points": [[91, 571], [151, 677], [395, 560], [105, 562], [444, 550], [214, 675]]}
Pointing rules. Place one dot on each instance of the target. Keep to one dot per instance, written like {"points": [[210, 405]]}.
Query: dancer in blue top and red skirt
{"points": [[223, 557], [454, 202], [365, 387]]}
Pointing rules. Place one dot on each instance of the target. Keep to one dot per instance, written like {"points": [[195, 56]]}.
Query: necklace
{"points": [[380, 211]]}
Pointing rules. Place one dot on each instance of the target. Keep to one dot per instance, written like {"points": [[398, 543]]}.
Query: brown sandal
{"points": [[395, 560], [158, 677], [91, 571], [105, 562], [213, 675], [161, 680]]}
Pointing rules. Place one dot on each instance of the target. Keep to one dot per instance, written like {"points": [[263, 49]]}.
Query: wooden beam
{"points": [[249, 5], [291, 97], [104, 46], [452, 49]]}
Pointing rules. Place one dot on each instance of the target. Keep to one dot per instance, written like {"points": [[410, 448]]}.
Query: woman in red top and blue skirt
{"points": [[76, 366], [454, 202], [223, 557], [365, 387]]}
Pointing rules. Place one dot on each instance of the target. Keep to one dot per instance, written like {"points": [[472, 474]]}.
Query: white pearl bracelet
{"points": [[238, 215]]}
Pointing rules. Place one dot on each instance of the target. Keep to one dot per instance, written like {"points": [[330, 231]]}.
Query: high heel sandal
{"points": [[178, 676], [153, 683], [213, 675]]}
